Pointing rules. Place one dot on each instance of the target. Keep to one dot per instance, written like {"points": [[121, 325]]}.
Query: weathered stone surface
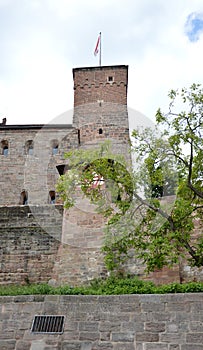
{"points": [[23, 345], [155, 327], [147, 337], [195, 338], [112, 333], [123, 337], [191, 347], [156, 346]]}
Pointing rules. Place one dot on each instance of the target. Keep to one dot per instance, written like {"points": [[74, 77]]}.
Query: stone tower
{"points": [[100, 106], [100, 113]]}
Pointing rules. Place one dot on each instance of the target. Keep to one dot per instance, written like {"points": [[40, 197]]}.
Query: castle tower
{"points": [[100, 113], [100, 106]]}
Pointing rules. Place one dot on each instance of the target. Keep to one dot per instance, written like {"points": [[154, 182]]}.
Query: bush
{"points": [[111, 286]]}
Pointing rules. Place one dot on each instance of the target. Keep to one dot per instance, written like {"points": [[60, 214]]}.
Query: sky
{"points": [[42, 40]]}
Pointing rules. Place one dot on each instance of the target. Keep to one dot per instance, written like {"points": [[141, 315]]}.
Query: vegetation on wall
{"points": [[111, 286], [150, 211]]}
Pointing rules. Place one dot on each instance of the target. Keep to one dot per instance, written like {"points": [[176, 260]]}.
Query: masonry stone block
{"points": [[191, 347], [155, 327], [122, 337], [147, 337], [194, 338], [23, 345], [174, 347], [155, 346], [122, 346]]}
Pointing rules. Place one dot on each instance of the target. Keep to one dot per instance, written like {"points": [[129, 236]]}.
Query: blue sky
{"points": [[194, 26], [42, 40]]}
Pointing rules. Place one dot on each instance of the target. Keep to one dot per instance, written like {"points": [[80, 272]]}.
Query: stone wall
{"points": [[107, 83], [30, 239], [41, 244], [34, 173], [124, 322]]}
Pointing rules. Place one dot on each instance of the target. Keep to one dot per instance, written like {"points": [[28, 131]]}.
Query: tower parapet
{"points": [[100, 106]]}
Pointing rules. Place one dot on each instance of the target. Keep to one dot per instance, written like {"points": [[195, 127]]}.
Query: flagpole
{"points": [[100, 49]]}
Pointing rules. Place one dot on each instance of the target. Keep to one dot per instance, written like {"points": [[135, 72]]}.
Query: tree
{"points": [[154, 207]]}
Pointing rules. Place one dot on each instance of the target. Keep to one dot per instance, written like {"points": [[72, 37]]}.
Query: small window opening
{"points": [[52, 197], [29, 147], [4, 148], [110, 79], [30, 151], [78, 136], [100, 131], [55, 147], [24, 198], [55, 150]]}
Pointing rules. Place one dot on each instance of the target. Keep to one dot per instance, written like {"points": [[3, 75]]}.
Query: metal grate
{"points": [[48, 324]]}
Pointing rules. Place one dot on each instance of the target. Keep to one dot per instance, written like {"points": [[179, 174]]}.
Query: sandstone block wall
{"points": [[123, 322], [30, 238], [100, 107], [41, 244], [107, 83], [36, 173]]}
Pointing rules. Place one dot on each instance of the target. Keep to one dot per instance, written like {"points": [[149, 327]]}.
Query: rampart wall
{"points": [[122, 322], [44, 244], [30, 239]]}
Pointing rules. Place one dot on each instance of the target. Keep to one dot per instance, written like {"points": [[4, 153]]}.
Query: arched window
{"points": [[29, 147], [52, 197], [100, 131], [4, 148], [55, 147], [24, 198]]}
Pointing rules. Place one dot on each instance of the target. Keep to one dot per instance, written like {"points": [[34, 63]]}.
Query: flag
{"points": [[96, 50]]}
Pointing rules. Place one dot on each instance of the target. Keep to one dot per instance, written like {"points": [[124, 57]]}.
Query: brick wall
{"points": [[93, 84], [123, 322]]}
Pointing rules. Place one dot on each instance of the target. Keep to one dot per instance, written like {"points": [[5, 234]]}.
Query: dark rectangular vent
{"points": [[48, 324]]}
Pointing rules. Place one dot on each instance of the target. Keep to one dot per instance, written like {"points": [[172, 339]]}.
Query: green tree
{"points": [[152, 210]]}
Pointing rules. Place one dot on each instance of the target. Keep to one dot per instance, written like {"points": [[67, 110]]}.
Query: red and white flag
{"points": [[96, 50]]}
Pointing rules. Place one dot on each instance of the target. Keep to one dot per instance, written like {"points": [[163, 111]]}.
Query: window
{"points": [[100, 131], [78, 136], [24, 198], [110, 79], [29, 147], [4, 148], [55, 147], [55, 150], [52, 197]]}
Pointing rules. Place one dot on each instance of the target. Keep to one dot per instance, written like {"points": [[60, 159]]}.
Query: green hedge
{"points": [[110, 286]]}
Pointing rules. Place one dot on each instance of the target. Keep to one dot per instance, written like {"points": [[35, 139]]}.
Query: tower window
{"points": [[24, 198], [100, 131], [79, 136], [52, 197], [110, 79], [4, 148], [55, 150], [29, 147], [55, 147]]}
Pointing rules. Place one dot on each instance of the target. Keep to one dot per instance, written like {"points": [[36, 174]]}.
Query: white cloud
{"points": [[42, 41]]}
